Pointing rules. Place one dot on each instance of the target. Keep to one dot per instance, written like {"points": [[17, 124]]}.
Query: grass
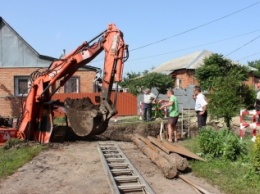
{"points": [[130, 119], [15, 154], [231, 177], [59, 121]]}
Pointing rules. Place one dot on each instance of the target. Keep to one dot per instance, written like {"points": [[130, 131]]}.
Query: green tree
{"points": [[134, 82], [131, 82], [224, 80], [255, 64], [217, 66]]}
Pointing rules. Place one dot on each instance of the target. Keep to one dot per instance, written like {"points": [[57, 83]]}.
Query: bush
{"points": [[156, 111], [223, 143], [256, 153]]}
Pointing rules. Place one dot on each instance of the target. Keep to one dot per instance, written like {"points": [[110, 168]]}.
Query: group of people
{"points": [[173, 110], [171, 104]]}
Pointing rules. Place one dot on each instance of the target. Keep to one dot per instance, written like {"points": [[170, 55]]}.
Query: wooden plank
{"points": [[147, 142], [175, 159], [194, 185], [176, 148], [159, 144]]}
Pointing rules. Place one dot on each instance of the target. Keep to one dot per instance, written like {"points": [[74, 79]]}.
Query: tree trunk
{"points": [[169, 170]]}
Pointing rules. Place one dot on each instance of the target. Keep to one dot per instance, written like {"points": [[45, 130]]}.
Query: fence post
{"points": [[141, 111]]}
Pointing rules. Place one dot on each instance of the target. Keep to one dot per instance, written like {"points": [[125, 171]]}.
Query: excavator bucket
{"points": [[84, 117]]}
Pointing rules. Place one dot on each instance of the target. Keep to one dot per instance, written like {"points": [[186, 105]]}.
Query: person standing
{"points": [[200, 107], [173, 106], [149, 98], [257, 102]]}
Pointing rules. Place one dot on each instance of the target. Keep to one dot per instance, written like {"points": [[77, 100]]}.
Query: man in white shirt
{"points": [[200, 106], [149, 98]]}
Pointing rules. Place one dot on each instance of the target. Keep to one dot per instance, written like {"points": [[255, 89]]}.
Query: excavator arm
{"points": [[36, 118]]}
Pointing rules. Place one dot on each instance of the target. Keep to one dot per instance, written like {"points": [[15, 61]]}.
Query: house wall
{"points": [[86, 79], [187, 78], [10, 105], [252, 81]]}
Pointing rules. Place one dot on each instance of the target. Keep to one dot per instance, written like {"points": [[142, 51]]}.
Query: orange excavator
{"points": [[36, 120]]}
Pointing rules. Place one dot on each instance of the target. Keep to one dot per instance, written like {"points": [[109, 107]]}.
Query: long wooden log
{"points": [[174, 159], [168, 170], [147, 142]]}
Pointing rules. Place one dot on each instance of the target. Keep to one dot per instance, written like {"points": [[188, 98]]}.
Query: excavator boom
{"points": [[36, 118]]}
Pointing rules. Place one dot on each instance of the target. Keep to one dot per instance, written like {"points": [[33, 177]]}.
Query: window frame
{"points": [[16, 85], [77, 78], [178, 83]]}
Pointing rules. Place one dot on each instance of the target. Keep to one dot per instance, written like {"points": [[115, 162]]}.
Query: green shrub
{"points": [[256, 153], [156, 111], [223, 143]]}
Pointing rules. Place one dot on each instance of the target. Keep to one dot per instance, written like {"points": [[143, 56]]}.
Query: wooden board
{"points": [[174, 147]]}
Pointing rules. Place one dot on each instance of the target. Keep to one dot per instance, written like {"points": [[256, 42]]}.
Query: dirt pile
{"points": [[84, 104]]}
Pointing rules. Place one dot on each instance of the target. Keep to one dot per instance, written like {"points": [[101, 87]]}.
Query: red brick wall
{"points": [[10, 105], [252, 81], [187, 77], [86, 80]]}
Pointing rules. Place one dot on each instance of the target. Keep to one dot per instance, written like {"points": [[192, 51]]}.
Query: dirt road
{"points": [[76, 168]]}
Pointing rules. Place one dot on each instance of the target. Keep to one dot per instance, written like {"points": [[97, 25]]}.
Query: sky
{"points": [[156, 31]]}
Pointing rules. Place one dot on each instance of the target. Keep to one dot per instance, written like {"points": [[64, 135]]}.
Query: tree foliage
{"points": [[134, 82], [224, 81], [217, 66], [255, 64]]}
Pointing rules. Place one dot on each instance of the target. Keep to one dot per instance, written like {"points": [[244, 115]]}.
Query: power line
{"points": [[209, 43], [194, 28], [249, 56], [243, 45]]}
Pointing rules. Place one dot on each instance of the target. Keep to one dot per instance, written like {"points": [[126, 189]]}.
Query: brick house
{"points": [[18, 60], [182, 69]]}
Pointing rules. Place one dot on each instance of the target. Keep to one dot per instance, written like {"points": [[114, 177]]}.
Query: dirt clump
{"points": [[84, 104]]}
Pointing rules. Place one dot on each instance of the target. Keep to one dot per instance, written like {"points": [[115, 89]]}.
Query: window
{"points": [[72, 85], [178, 83], [21, 85]]}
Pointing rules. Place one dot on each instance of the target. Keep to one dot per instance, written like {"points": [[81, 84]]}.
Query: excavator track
{"points": [[84, 117]]}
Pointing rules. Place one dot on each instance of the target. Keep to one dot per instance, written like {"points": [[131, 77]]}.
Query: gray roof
{"points": [[191, 61], [18, 45], [15, 52]]}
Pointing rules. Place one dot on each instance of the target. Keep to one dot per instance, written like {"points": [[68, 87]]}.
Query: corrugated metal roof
{"points": [[191, 61]]}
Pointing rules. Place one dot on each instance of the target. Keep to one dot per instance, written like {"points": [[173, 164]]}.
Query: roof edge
{"points": [[26, 43]]}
